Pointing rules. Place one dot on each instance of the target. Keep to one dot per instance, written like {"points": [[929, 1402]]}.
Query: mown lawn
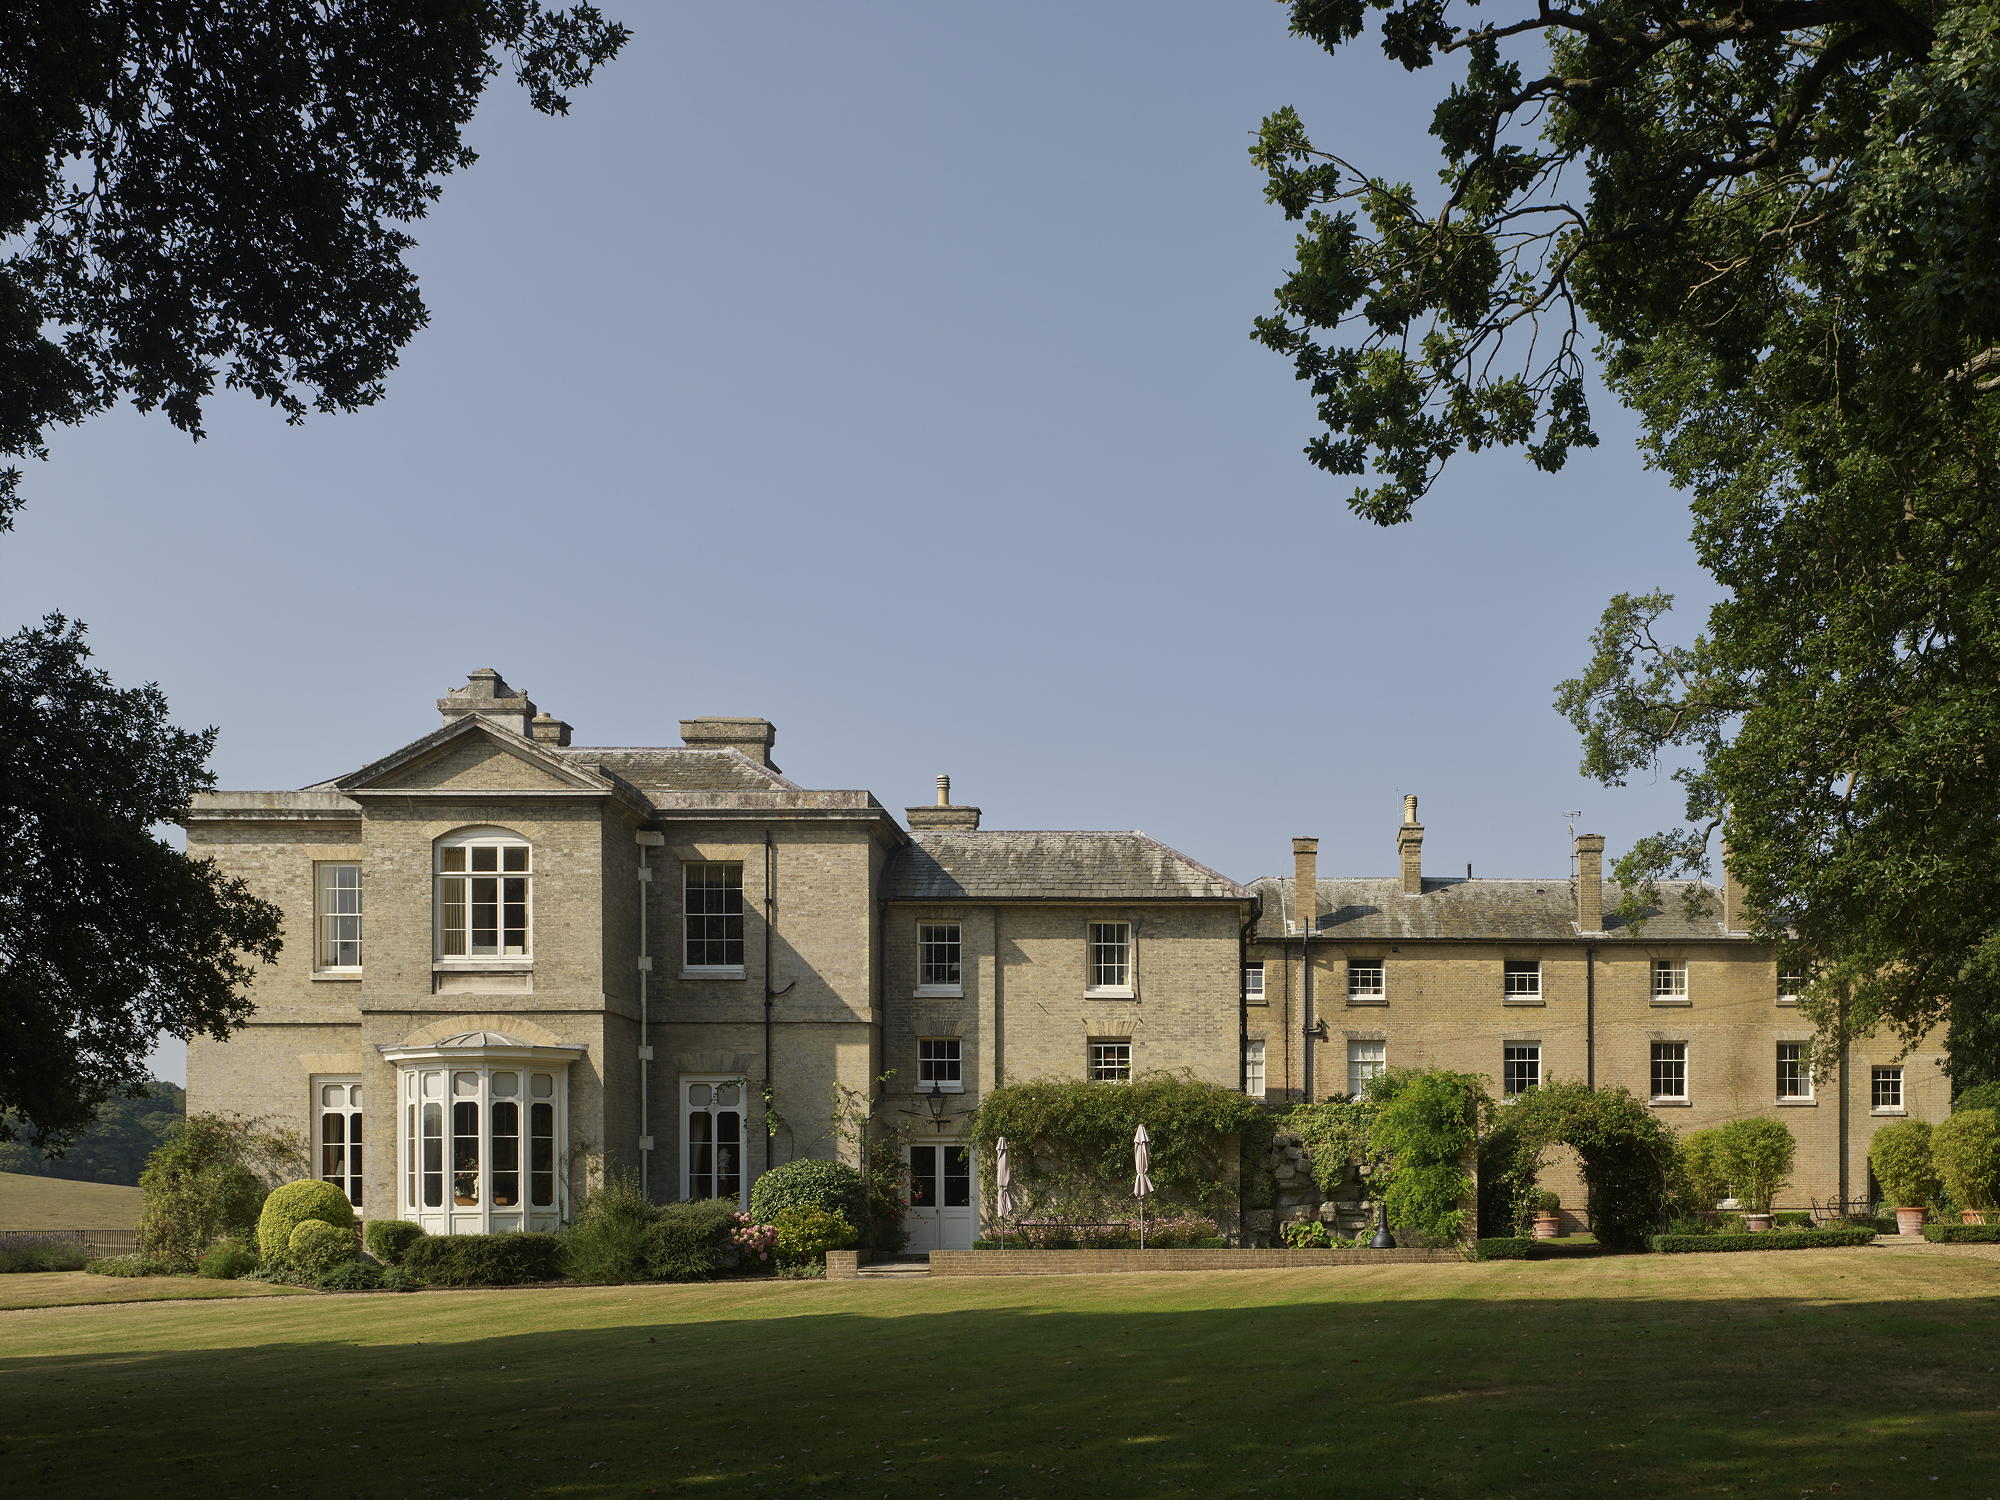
{"points": [[1832, 1372], [73, 1288]]}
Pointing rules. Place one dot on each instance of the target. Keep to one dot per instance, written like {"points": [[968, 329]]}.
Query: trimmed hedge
{"points": [[294, 1204], [352, 1276], [1502, 1247], [1770, 1239], [389, 1240], [317, 1248], [1962, 1234], [806, 1183], [509, 1259], [691, 1241]]}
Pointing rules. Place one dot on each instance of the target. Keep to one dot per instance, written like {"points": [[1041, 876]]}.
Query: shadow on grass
{"points": [[1109, 1395]]}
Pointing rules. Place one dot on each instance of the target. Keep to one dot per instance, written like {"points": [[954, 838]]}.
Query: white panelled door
{"points": [[941, 1215]]}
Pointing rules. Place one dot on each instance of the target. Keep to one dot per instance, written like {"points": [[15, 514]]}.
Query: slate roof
{"points": [[1507, 910], [1050, 865], [676, 768]]}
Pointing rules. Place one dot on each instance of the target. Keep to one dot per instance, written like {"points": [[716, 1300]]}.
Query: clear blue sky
{"points": [[884, 370]]}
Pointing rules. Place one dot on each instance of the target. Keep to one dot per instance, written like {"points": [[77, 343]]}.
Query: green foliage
{"points": [[511, 1259], [1501, 1247], [227, 1260], [1629, 1158], [806, 1233], [401, 1279], [1965, 1150], [128, 1265], [1542, 1201], [1257, 1184], [1335, 1134], [691, 1241], [607, 1241], [1900, 1155], [1704, 1179], [1796, 1218], [314, 1249], [389, 1240], [806, 1183], [1979, 1096], [1962, 1234], [1070, 1143], [160, 245], [1305, 1234], [885, 1172], [114, 1146], [1755, 1155], [350, 1276], [1770, 1239], [1427, 1124], [51, 1252], [207, 1181], [294, 1204]]}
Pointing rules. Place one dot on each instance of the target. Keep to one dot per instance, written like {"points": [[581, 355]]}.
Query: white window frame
{"points": [[433, 1089], [1361, 1066], [1801, 1075], [713, 1109], [1360, 994], [927, 941], [1511, 1074], [1253, 983], [1670, 981], [1878, 1075], [1097, 970], [1108, 1059], [337, 914], [1789, 985], [948, 1056], [1653, 1077], [1520, 979], [469, 840], [689, 917], [1253, 1068], [337, 1111]]}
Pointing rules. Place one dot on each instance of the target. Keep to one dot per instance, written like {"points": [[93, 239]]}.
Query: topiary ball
{"points": [[292, 1205], [389, 1240], [830, 1185], [317, 1247]]}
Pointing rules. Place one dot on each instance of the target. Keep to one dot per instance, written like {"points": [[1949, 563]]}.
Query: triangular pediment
{"points": [[471, 755]]}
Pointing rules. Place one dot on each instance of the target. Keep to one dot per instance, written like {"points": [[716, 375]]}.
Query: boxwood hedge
{"points": [[1962, 1234], [1502, 1247], [508, 1259], [1770, 1239]]}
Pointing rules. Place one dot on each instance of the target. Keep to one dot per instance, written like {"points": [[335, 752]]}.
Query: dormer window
{"points": [[483, 898]]}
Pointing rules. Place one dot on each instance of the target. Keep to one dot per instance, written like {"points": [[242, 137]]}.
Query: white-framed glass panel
{"points": [[482, 1144], [1790, 983], [1111, 957], [1521, 978], [1670, 1070], [1520, 1067], [1794, 1076], [1670, 979], [1253, 983], [941, 1214], [939, 1062], [1365, 1060], [940, 950], [1367, 981], [337, 913], [1885, 1088], [1253, 1069], [1110, 1061], [712, 916], [483, 897], [712, 1139], [337, 1106]]}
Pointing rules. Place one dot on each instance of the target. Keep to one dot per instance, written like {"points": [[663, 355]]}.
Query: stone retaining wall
{"points": [[1074, 1262]]}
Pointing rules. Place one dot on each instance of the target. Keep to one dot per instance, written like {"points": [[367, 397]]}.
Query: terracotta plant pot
{"points": [[1975, 1216], [1911, 1220], [1548, 1226], [1756, 1223]]}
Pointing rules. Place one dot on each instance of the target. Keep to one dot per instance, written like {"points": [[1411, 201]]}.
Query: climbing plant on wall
{"points": [[1629, 1159]]}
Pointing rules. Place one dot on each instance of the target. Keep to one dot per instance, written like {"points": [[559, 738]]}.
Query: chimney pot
{"points": [[547, 729], [944, 791], [1410, 810], [1305, 883], [943, 816], [1590, 883]]}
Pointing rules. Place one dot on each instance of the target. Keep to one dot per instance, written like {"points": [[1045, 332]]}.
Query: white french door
{"points": [[941, 1215]]}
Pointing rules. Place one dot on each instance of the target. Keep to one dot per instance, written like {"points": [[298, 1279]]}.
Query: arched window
{"points": [[484, 900]]}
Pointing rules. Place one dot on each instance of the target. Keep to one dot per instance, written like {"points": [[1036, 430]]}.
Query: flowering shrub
{"points": [[755, 1241]]}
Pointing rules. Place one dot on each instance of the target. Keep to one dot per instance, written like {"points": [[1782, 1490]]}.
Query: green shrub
{"points": [[1704, 1181], [1791, 1239], [226, 1260], [1305, 1234], [351, 1276], [1756, 1156], [806, 1233], [1630, 1160], [400, 1279], [1962, 1234], [294, 1204], [51, 1252], [207, 1181], [1794, 1218], [510, 1259], [1901, 1157], [316, 1248], [691, 1241], [607, 1242], [1542, 1201], [389, 1240], [1979, 1096], [1965, 1150], [128, 1265], [1502, 1247], [1875, 1223], [1426, 1126], [831, 1186]]}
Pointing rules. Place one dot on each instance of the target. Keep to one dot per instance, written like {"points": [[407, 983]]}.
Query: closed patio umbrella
{"points": [[1003, 1186], [1142, 1176]]}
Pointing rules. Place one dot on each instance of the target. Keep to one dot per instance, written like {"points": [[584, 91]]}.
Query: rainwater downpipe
{"points": [[770, 994], [1306, 964], [1590, 1015], [646, 840]]}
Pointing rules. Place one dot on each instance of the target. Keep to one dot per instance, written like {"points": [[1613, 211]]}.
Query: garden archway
{"points": [[1626, 1154]]}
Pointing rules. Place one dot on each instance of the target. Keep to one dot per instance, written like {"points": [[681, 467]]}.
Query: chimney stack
{"points": [[487, 696], [1410, 848], [1735, 910], [1590, 883], [942, 816], [547, 729], [751, 737], [1305, 883]]}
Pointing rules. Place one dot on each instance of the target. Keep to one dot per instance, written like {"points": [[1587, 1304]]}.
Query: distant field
{"points": [[28, 1202]]}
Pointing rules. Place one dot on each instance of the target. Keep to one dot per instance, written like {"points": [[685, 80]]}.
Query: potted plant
{"points": [[1900, 1155], [1546, 1207], [1756, 1157], [1965, 1150], [465, 1188]]}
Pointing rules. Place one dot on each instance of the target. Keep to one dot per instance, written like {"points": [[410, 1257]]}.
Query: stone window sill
{"points": [[1672, 1103], [938, 992], [1367, 1000], [1888, 1111], [1660, 1001], [1788, 1000], [720, 971], [338, 976], [941, 1087], [483, 966], [1522, 1000], [1111, 994], [1798, 1104]]}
